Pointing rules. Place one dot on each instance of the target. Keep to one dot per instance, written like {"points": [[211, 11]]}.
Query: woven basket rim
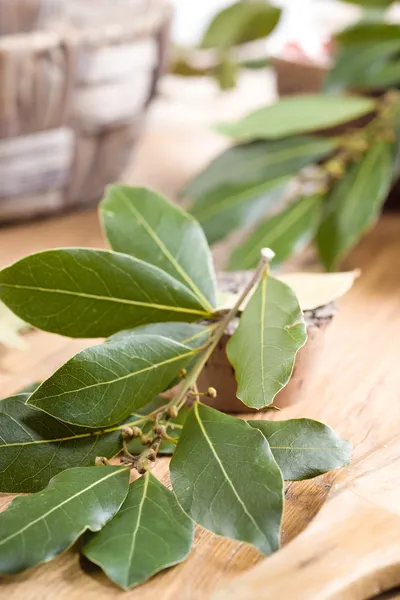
{"points": [[113, 33]]}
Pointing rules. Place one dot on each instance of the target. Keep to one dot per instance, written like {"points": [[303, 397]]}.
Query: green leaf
{"points": [[388, 76], [263, 348], [304, 448], [34, 446], [174, 428], [297, 114], [285, 233], [226, 479], [142, 223], [240, 23], [368, 32], [365, 65], [93, 293], [355, 203], [369, 3], [149, 534], [104, 384], [36, 528], [189, 334], [230, 207], [256, 163]]}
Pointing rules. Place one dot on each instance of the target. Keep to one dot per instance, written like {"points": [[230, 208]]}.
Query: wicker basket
{"points": [[72, 97]]}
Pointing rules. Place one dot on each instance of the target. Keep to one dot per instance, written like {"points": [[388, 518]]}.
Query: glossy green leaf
{"points": [[257, 163], [263, 348], [93, 293], [226, 479], [388, 76], [149, 534], [104, 384], [365, 65], [189, 334], [142, 223], [34, 446], [304, 448], [365, 31], [231, 207], [371, 3], [286, 233], [240, 23], [355, 203], [36, 528], [297, 114]]}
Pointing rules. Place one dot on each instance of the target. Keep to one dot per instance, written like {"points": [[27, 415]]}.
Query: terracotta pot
{"points": [[219, 373]]}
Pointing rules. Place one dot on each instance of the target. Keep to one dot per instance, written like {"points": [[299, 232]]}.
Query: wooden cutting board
{"points": [[350, 551], [357, 391]]}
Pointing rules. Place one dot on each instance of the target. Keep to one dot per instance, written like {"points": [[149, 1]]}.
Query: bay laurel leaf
{"points": [[304, 448], [355, 203], [189, 334], [150, 533], [80, 292], [286, 233], [263, 348], [36, 528], [229, 207], [35, 446], [311, 289], [372, 32], [239, 23], [226, 479], [104, 384], [296, 115], [318, 289], [256, 163], [365, 65], [144, 224]]}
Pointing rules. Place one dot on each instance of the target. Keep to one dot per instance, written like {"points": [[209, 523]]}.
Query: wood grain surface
{"points": [[358, 379]]}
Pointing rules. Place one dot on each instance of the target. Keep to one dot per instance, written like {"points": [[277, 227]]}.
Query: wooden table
{"points": [[361, 362]]}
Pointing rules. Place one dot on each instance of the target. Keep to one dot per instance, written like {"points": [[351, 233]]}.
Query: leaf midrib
{"points": [[210, 444], [216, 208], [153, 234], [58, 506], [106, 299], [285, 153], [287, 221], [123, 377], [137, 526], [262, 327]]}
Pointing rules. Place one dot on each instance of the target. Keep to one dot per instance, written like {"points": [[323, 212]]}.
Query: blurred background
{"points": [[88, 97]]}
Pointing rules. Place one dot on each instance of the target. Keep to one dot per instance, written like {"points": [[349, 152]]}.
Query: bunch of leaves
{"points": [[287, 185], [235, 25], [367, 57], [153, 298]]}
